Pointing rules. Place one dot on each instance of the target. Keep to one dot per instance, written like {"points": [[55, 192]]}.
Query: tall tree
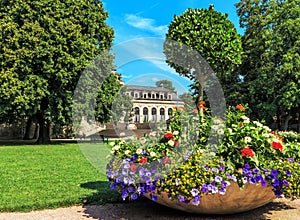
{"points": [[209, 34], [45, 45], [271, 63], [167, 84]]}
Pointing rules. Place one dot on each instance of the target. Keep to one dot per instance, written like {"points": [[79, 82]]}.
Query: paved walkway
{"points": [[280, 209]]}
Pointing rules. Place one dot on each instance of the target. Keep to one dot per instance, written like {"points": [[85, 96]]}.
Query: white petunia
{"points": [[152, 154], [220, 131], [127, 152], [176, 132], [171, 142], [248, 139], [215, 127], [115, 148], [246, 119], [139, 151], [143, 140], [112, 143]]}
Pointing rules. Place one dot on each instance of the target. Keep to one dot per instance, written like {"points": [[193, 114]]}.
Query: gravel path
{"points": [[279, 209]]}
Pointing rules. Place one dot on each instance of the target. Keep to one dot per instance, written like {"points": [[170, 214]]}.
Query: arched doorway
{"points": [[145, 114], [169, 113], [136, 114], [162, 114], [154, 114]]}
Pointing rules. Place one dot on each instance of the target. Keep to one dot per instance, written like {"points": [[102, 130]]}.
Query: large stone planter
{"points": [[235, 200]]}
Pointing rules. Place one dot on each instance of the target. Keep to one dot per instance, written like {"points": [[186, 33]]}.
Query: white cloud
{"points": [[147, 24]]}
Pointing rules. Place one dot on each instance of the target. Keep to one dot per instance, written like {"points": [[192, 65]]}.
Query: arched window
{"points": [[162, 114], [145, 114], [154, 114], [136, 114]]}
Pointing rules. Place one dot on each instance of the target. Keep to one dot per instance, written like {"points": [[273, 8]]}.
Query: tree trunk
{"points": [[36, 131], [286, 122], [44, 129], [27, 129]]}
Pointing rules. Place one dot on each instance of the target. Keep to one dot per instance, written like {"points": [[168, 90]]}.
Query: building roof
{"points": [[148, 88]]}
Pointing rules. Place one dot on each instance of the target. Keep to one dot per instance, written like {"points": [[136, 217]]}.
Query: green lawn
{"points": [[47, 176]]}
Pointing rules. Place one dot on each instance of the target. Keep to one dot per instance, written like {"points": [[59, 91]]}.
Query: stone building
{"points": [[152, 104]]}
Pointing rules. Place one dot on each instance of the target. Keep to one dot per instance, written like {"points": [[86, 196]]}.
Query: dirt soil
{"points": [[279, 209]]}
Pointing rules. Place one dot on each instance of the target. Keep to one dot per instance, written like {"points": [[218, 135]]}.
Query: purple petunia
{"points": [[247, 166], [291, 160], [214, 169], [124, 194], [113, 185], [142, 172], [222, 191], [252, 180], [274, 173], [134, 196], [288, 173], [285, 182], [276, 183], [218, 179], [181, 198], [263, 182], [153, 197], [277, 193], [222, 168], [214, 189], [255, 170], [194, 192], [265, 170], [196, 200]]}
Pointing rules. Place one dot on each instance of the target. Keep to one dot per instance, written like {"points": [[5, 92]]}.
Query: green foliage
{"points": [[165, 84], [210, 154], [45, 45], [209, 34], [271, 61]]}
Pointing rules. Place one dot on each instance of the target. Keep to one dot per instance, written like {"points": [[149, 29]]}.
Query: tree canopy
{"points": [[271, 62], [167, 84], [45, 45], [212, 39]]}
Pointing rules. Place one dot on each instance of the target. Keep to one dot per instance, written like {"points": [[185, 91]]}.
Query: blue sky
{"points": [[140, 28]]}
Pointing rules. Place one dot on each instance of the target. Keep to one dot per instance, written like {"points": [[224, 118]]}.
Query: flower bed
{"points": [[201, 157]]}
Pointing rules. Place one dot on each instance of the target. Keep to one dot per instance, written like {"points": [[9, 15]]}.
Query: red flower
{"points": [[201, 105], [132, 167], [168, 135], [138, 136], [247, 152], [176, 143], [272, 132], [240, 107], [167, 160], [241, 124], [143, 160], [277, 146]]}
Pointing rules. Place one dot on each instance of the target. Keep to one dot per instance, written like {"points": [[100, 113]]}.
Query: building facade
{"points": [[152, 104]]}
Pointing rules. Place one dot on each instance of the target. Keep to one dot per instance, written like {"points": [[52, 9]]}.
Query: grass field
{"points": [[48, 176]]}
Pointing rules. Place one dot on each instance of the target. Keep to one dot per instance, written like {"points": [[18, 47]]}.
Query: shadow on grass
{"points": [[103, 194], [143, 208], [18, 142]]}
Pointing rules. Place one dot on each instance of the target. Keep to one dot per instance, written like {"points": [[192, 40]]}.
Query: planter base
{"points": [[235, 200]]}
